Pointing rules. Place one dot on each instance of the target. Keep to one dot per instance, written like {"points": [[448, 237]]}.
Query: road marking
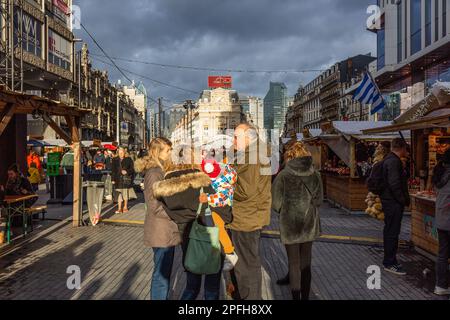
{"points": [[272, 233], [133, 222], [334, 237]]}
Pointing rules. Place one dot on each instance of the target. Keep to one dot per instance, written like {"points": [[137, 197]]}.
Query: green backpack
{"points": [[203, 256]]}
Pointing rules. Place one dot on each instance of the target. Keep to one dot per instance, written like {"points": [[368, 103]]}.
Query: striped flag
{"points": [[368, 93]]}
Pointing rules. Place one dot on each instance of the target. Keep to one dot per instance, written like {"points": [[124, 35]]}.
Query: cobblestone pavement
{"points": [[115, 264]]}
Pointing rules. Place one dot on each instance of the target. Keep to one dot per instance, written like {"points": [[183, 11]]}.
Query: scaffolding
{"points": [[11, 45]]}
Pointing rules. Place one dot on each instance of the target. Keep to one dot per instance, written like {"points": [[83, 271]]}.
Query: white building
{"points": [[137, 94], [216, 112], [253, 109]]}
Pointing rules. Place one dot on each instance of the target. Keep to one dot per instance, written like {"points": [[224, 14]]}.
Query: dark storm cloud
{"points": [[238, 34]]}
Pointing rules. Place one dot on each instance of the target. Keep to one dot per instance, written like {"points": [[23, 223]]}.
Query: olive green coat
{"points": [[297, 195], [252, 197]]}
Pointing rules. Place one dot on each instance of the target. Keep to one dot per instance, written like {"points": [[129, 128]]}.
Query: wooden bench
{"points": [[36, 210]]}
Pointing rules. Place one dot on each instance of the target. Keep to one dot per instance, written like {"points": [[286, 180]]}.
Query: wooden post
{"points": [[57, 129], [77, 188], [6, 116], [352, 158]]}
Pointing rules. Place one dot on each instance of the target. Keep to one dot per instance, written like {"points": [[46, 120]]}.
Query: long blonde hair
{"points": [[154, 151], [296, 150]]}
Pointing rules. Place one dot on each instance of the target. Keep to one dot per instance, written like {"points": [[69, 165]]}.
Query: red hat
{"points": [[211, 168]]}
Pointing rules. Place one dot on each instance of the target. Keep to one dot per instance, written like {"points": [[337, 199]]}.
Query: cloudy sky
{"points": [[224, 34]]}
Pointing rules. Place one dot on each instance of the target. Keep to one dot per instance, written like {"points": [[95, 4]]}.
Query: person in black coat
{"points": [[122, 179], [180, 193], [394, 198]]}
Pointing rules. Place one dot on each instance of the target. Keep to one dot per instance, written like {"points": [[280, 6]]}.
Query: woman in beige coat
{"points": [[160, 232]]}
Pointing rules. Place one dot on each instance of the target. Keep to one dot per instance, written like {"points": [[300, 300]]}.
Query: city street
{"points": [[300, 140], [115, 264]]}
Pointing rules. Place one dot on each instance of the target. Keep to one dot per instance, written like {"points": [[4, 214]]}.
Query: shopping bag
{"points": [[203, 256]]}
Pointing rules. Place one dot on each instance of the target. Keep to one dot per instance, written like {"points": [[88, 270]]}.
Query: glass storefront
{"points": [[416, 26], [31, 32], [59, 50], [440, 72]]}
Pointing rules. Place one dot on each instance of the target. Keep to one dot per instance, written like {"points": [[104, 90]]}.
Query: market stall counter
{"points": [[349, 160], [423, 233]]}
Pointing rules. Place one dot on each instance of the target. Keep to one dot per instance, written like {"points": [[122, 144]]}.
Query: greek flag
{"points": [[368, 93]]}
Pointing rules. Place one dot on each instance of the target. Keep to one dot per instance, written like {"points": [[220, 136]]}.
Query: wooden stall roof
{"points": [[424, 123], [357, 130], [27, 104]]}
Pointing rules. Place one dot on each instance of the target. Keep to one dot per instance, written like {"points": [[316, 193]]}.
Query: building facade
{"points": [[36, 57], [328, 97], [138, 94], [413, 48], [253, 109], [276, 104], [104, 102], [217, 111]]}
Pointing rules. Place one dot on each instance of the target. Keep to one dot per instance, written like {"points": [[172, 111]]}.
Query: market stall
{"points": [[429, 123], [348, 160]]}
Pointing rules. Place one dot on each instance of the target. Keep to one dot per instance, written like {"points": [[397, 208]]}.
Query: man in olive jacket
{"points": [[251, 209]]}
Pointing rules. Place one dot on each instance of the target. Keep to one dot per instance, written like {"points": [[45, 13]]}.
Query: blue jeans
{"points": [[163, 261], [194, 282]]}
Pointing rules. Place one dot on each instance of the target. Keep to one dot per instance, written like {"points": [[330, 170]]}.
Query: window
{"points": [[381, 46], [436, 20], [416, 26], [399, 32], [428, 32], [444, 18]]}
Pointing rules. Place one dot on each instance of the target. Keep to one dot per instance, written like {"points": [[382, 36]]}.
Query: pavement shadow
{"points": [[46, 277], [124, 290]]}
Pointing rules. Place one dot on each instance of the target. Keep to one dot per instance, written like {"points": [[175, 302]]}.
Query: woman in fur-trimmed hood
{"points": [[160, 232], [180, 194]]}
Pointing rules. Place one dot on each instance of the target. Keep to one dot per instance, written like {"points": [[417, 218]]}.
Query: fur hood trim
{"points": [[180, 184], [144, 164]]}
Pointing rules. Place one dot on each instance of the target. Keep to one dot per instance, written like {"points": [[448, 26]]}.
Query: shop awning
{"points": [[339, 145], [440, 121], [300, 136], [55, 143], [432, 111], [36, 143], [357, 129]]}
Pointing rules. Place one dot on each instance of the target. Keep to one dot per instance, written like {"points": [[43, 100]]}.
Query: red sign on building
{"points": [[220, 82], [61, 5]]}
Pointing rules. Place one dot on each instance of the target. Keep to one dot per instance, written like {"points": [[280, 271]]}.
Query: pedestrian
{"points": [[181, 192], [108, 160], [18, 185], [297, 194], [99, 161], [67, 162], [441, 182], [34, 176], [34, 158], [122, 179], [394, 199], [223, 179], [251, 211], [160, 232]]}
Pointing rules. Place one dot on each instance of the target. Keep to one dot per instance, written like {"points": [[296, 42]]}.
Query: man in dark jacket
{"points": [[395, 197]]}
